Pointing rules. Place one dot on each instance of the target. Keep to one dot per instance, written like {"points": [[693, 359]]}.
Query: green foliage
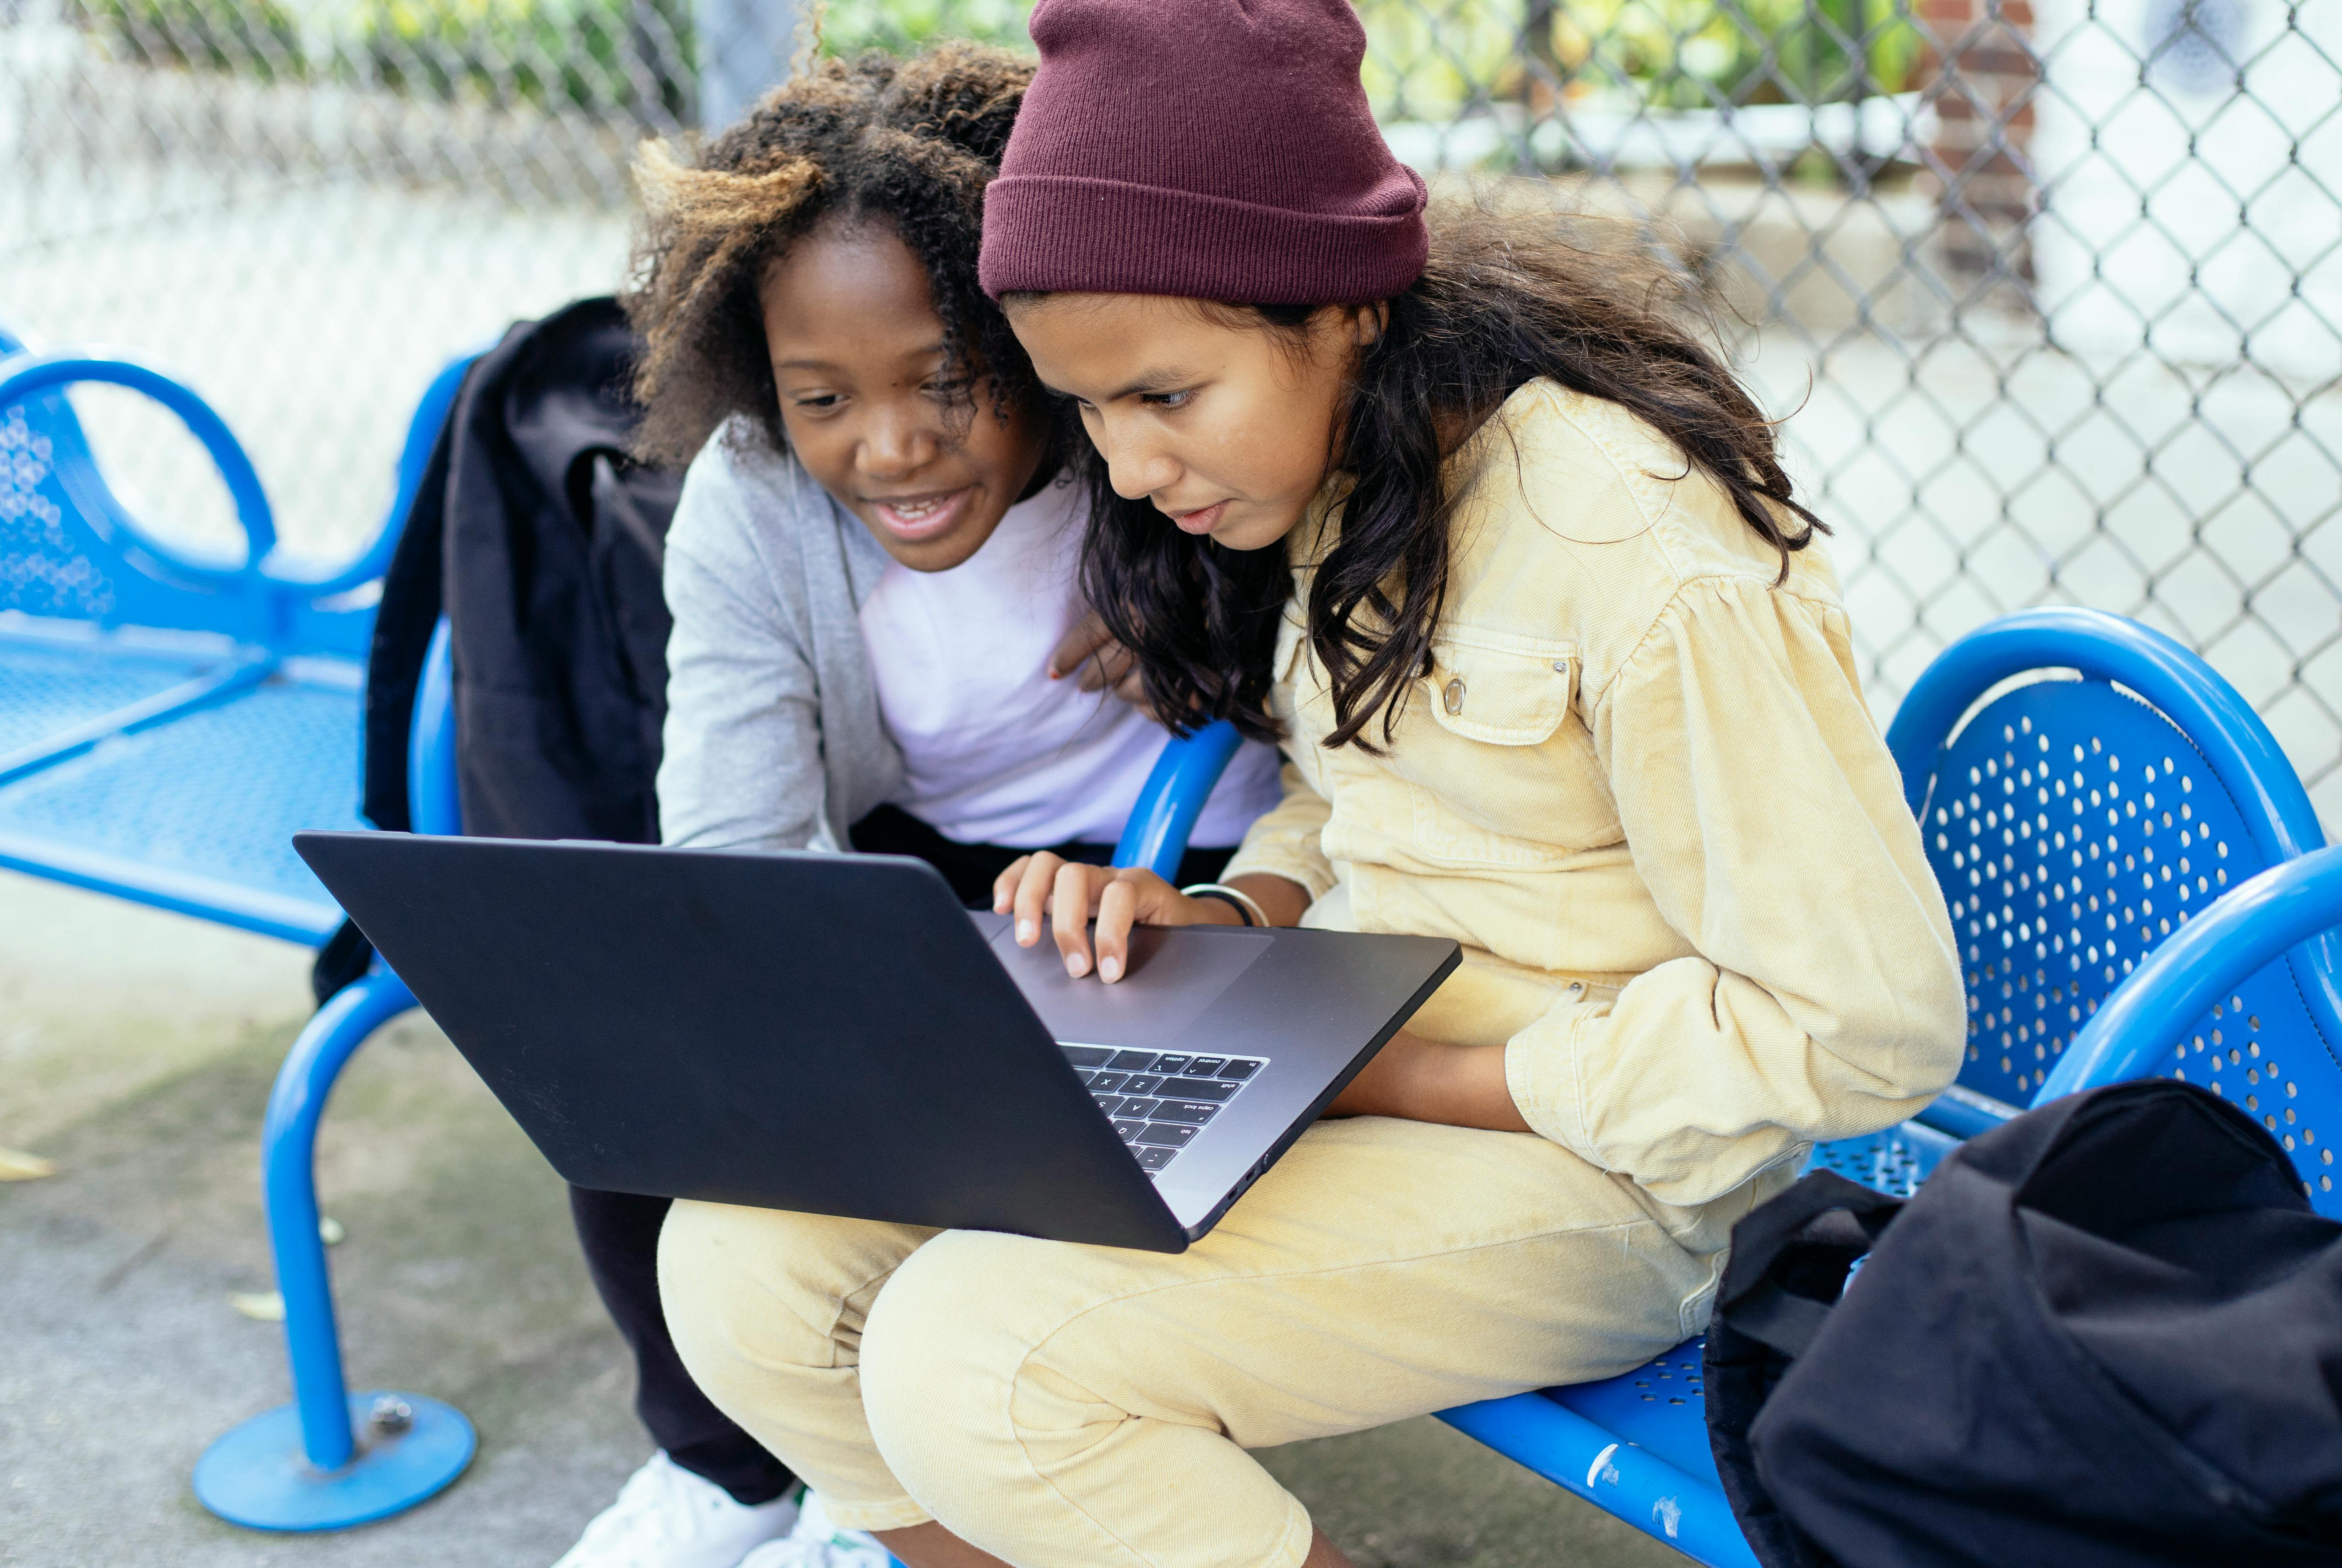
{"points": [[1691, 54], [593, 54], [850, 27], [1428, 59], [252, 37]]}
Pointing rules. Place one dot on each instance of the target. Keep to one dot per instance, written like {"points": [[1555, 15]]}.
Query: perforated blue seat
{"points": [[46, 690], [197, 814], [2075, 822], [166, 724]]}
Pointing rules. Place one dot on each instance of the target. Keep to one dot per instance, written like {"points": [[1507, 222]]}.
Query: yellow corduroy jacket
{"points": [[1640, 785]]}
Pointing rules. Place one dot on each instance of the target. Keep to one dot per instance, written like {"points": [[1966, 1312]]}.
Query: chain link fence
{"points": [[2048, 293]]}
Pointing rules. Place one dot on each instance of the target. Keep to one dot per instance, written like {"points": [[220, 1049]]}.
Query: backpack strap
{"points": [[1791, 1257]]}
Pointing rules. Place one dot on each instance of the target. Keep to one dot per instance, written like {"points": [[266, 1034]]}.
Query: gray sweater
{"points": [[773, 739]]}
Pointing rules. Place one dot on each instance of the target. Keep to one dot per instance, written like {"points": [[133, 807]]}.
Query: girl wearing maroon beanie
{"points": [[1460, 515]]}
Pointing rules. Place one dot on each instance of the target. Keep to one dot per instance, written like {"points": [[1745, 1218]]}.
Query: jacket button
{"points": [[1454, 695]]}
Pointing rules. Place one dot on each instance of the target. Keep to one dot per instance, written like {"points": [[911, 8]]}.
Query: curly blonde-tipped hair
{"points": [[911, 143]]}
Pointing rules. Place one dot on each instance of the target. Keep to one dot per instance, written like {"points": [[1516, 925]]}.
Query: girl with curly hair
{"points": [[1463, 513], [878, 636]]}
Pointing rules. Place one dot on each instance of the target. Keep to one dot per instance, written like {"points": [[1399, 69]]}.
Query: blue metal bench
{"points": [[166, 722], [2078, 826], [332, 1459], [1634, 1444]]}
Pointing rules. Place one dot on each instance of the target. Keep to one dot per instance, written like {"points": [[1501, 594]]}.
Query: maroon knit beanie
{"points": [[1206, 149]]}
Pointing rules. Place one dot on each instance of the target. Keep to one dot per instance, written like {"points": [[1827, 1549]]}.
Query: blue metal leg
{"points": [[1631, 1483], [328, 1460]]}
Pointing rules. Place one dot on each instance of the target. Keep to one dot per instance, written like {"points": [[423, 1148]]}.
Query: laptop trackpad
{"points": [[1170, 984]]}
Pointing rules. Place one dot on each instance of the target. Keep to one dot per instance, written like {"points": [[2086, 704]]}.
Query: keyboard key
{"points": [[1139, 1110], [1240, 1069], [1128, 1131], [1207, 1066], [1170, 1063], [1110, 1103], [1085, 1077], [1107, 1082], [1198, 1111], [1197, 1089], [1087, 1055], [1142, 1084], [1170, 1133], [1132, 1061], [1155, 1158]]}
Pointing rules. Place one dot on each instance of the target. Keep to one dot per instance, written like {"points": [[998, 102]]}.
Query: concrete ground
{"points": [[137, 1050]]}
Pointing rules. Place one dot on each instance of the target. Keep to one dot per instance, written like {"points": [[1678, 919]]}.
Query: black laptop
{"points": [[833, 1034]]}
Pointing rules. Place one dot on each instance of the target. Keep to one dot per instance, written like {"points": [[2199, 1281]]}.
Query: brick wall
{"points": [[1980, 78]]}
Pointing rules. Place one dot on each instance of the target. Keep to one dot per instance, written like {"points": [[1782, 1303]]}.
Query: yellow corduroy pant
{"points": [[1066, 1406]]}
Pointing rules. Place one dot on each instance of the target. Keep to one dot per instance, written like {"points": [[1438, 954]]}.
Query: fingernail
{"points": [[1024, 930], [1077, 964], [1109, 968]]}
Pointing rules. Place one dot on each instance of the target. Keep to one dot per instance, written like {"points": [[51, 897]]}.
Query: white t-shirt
{"points": [[994, 750]]}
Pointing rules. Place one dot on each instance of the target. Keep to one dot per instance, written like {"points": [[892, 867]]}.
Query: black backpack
{"points": [[542, 541], [2106, 1335]]}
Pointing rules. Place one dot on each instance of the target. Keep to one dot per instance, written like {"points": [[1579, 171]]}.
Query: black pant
{"points": [[620, 1230], [620, 1233]]}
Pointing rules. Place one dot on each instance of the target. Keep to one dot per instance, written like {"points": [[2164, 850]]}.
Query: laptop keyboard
{"points": [[1159, 1100]]}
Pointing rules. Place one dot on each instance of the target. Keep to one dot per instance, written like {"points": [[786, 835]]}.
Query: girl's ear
{"points": [[1369, 321]]}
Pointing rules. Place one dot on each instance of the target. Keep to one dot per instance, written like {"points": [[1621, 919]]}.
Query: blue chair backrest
{"points": [[2075, 825], [70, 549]]}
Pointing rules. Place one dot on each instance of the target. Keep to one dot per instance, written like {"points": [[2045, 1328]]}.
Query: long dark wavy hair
{"points": [[909, 143], [1506, 298]]}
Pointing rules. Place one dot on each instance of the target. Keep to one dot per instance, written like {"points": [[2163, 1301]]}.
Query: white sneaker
{"points": [[816, 1542], [666, 1517]]}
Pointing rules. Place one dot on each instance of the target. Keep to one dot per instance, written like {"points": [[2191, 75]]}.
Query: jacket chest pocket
{"points": [[1500, 768]]}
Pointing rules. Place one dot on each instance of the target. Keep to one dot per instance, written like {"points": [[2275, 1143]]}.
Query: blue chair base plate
{"points": [[256, 1476]]}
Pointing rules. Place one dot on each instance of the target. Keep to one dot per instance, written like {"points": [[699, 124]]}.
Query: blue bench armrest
{"points": [[2198, 966], [432, 803], [28, 375], [1173, 797], [266, 600]]}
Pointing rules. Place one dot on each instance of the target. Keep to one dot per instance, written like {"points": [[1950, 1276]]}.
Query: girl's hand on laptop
{"points": [[1070, 894]]}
